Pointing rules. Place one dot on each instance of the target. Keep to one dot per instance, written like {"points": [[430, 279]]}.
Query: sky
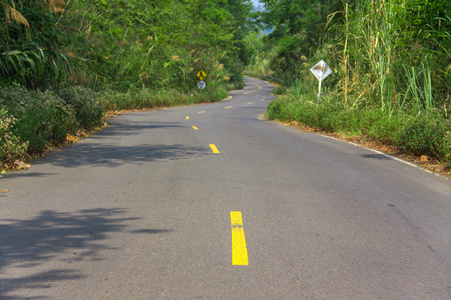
{"points": [[255, 2]]}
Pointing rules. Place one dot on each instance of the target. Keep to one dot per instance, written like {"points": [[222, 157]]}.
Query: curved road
{"points": [[212, 202]]}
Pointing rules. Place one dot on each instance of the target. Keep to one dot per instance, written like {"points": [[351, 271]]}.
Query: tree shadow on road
{"points": [[107, 155], [28, 246], [135, 126]]}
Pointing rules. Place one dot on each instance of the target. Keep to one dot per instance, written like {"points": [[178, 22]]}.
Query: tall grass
{"points": [[259, 64]]}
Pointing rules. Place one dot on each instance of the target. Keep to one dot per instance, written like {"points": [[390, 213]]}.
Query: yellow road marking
{"points": [[259, 88], [213, 148], [195, 128], [251, 103], [201, 112], [239, 249], [263, 99], [228, 107], [187, 117]]}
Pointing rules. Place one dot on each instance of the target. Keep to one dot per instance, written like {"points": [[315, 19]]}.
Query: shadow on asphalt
{"points": [[376, 156], [109, 155], [105, 149], [27, 245], [126, 126]]}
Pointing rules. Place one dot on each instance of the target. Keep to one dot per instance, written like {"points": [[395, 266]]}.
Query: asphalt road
{"points": [[148, 209]]}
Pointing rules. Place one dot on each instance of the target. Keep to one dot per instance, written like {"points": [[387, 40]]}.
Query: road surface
{"points": [[214, 202]]}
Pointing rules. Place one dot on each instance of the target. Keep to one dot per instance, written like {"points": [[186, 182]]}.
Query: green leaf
{"points": [[12, 52]]}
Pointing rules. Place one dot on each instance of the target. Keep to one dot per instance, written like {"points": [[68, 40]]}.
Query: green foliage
{"points": [[132, 44], [41, 117], [30, 45], [427, 134], [300, 28], [11, 147], [87, 106], [148, 99]]}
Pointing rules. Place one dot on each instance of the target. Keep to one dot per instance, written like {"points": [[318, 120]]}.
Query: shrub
{"points": [[87, 106], [146, 98], [429, 134], [11, 147], [41, 117], [279, 90]]}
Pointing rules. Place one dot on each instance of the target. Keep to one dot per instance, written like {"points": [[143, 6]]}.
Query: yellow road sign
{"points": [[201, 74]]}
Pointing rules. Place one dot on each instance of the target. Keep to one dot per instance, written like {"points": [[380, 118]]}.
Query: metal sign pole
{"points": [[321, 70], [319, 90]]}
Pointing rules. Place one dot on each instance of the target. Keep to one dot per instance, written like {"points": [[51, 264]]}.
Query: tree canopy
{"points": [[122, 43]]}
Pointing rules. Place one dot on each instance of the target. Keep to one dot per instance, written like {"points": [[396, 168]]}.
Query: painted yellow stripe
{"points": [[259, 88], [228, 107], [187, 117], [201, 112], [251, 103], [195, 128], [239, 249], [213, 148]]}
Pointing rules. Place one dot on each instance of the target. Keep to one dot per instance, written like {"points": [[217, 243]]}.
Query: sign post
{"points": [[321, 70], [201, 75]]}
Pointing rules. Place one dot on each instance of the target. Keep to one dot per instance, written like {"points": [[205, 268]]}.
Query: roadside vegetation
{"points": [[391, 64], [65, 64]]}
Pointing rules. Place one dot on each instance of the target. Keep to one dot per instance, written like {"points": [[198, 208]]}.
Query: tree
{"points": [[299, 29]]}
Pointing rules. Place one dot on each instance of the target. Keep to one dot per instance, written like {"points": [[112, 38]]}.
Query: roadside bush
{"points": [[41, 117], [386, 130], [428, 134], [146, 98], [87, 106], [11, 147], [279, 90]]}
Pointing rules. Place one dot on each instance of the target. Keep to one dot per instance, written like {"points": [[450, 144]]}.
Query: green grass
{"points": [[148, 99]]}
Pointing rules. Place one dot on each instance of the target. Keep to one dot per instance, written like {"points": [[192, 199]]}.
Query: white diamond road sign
{"points": [[321, 70]]}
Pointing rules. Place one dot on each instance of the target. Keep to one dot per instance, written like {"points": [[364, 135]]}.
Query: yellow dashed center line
{"points": [[228, 107], [214, 149], [239, 249], [259, 88], [195, 128], [201, 112], [251, 103]]}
